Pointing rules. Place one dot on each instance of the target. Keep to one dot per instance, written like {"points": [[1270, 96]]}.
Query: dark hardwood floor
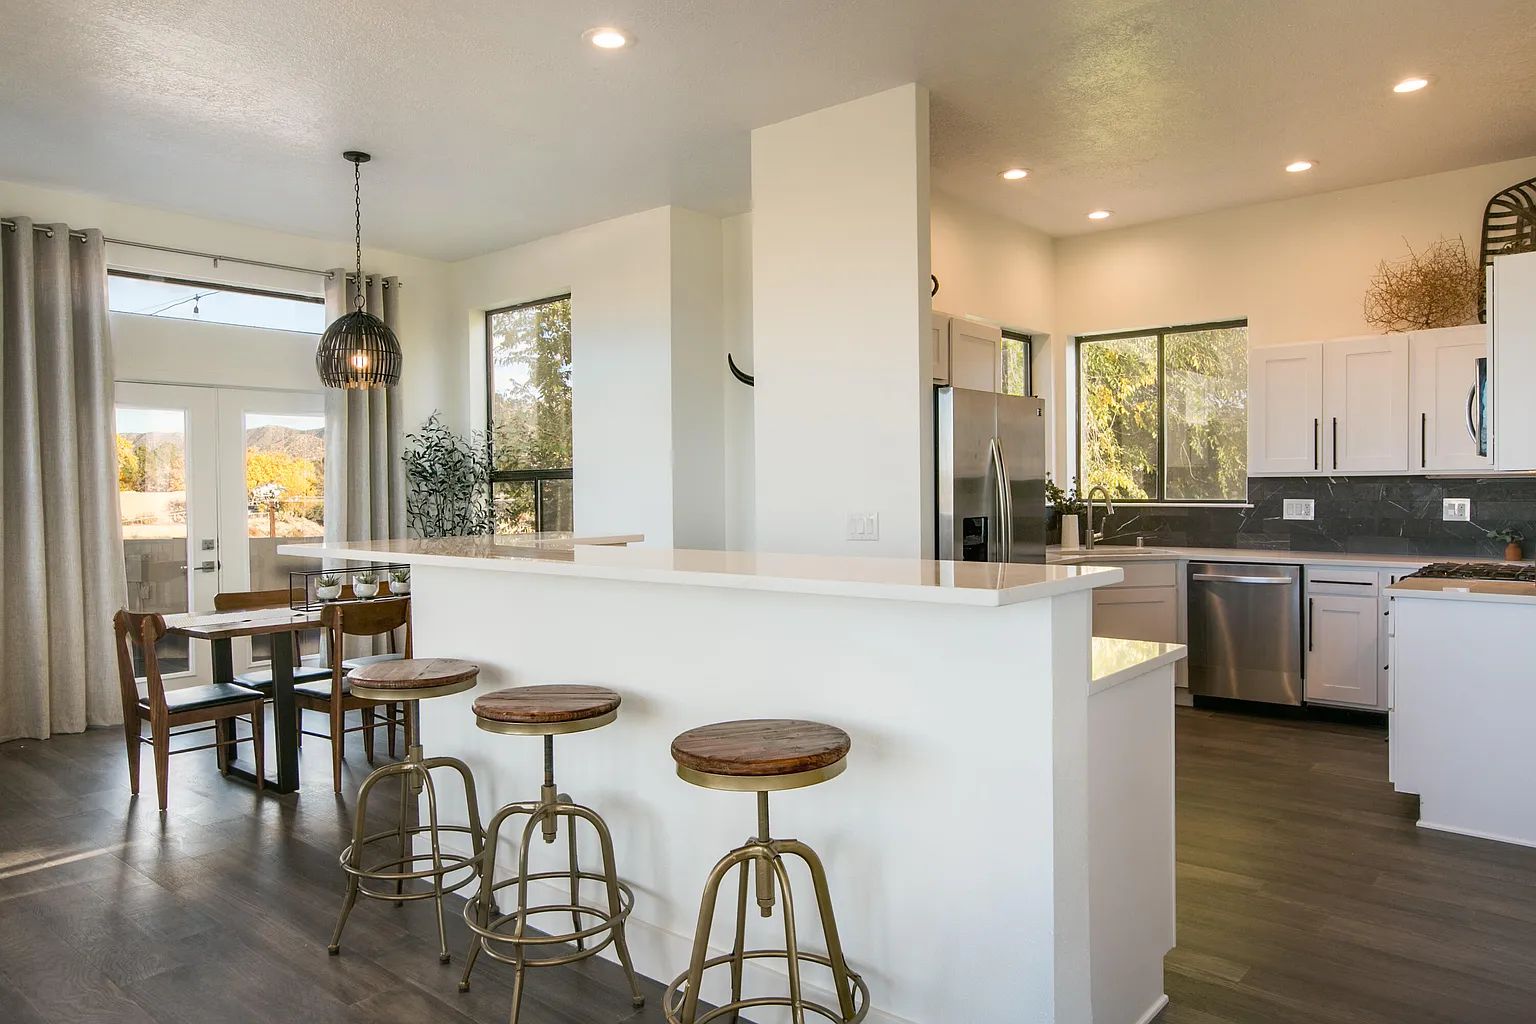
{"points": [[1306, 895]]}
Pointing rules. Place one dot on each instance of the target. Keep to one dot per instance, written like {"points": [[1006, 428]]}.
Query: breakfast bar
{"points": [[956, 842]]}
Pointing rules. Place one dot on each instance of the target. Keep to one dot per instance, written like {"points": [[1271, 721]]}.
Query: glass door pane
{"points": [[285, 491], [166, 498]]}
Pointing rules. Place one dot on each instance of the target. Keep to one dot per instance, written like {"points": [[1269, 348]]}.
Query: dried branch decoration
{"points": [[1438, 287]]}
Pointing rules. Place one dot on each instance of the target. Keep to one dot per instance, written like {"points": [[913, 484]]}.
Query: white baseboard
{"points": [[1473, 833], [1154, 1010]]}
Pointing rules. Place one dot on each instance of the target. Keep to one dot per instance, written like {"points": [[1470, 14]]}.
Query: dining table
{"points": [[220, 629]]}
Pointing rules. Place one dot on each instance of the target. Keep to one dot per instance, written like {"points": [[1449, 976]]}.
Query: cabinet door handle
{"points": [[1317, 444], [1471, 422], [1309, 624], [1335, 442], [1423, 440]]}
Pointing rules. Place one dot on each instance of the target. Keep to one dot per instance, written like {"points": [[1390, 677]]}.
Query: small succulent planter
{"points": [[328, 588], [366, 584], [400, 581]]}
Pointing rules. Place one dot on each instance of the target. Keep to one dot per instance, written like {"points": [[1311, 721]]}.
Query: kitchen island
{"points": [[957, 842], [1462, 704]]}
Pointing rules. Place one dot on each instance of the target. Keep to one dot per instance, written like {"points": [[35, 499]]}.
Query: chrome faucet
{"points": [[1109, 510]]}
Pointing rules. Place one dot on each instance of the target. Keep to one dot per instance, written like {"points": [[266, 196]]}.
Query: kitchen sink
{"points": [[1111, 553]]}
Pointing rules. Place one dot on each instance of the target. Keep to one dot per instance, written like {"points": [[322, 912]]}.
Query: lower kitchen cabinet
{"points": [[1343, 638], [1143, 607]]}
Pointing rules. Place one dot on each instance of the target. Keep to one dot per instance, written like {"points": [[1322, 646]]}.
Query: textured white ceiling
{"points": [[492, 123]]}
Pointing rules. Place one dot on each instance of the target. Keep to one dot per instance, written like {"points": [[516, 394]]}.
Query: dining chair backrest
{"points": [[369, 618], [248, 600], [143, 629]]}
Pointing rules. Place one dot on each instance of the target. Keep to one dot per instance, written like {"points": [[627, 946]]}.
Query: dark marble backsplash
{"points": [[1370, 515]]}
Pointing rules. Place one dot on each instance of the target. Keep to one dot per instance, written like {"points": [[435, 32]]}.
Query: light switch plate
{"points": [[1456, 510], [863, 526], [1298, 508]]}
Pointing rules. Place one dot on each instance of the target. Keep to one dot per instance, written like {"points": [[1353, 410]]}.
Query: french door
{"points": [[211, 481]]}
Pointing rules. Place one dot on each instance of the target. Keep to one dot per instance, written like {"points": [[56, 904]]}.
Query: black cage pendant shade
{"points": [[358, 350]]}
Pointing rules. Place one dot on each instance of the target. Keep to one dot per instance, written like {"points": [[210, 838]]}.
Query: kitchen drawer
{"points": [[1145, 574], [1137, 613]]}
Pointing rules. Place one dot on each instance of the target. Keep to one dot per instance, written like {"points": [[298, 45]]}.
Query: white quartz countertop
{"points": [[984, 584], [1118, 661], [1267, 556]]}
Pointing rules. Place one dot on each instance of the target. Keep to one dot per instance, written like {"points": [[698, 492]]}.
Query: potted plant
{"points": [[1065, 508], [400, 581], [366, 584], [328, 587], [1512, 539]]}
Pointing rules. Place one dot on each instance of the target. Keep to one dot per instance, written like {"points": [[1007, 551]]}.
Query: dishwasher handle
{"points": [[1211, 577]]}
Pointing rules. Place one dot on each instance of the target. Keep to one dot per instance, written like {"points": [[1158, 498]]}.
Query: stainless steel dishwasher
{"points": [[1245, 631]]}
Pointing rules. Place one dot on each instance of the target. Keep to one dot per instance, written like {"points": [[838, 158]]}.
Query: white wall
{"points": [[647, 418], [186, 352], [740, 453], [839, 324]]}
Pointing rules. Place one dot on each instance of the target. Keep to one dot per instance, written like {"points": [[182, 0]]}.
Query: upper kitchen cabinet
{"points": [[938, 338], [1365, 404], [1445, 413], [975, 355], [1512, 362], [1285, 408]]}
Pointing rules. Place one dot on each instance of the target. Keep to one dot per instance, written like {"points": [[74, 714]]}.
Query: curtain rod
{"points": [[216, 257]]}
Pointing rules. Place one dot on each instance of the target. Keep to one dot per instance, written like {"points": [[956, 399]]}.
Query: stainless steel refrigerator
{"points": [[991, 476]]}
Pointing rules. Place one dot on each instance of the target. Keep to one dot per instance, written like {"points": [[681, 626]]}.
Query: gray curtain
{"points": [[364, 477], [61, 548]]}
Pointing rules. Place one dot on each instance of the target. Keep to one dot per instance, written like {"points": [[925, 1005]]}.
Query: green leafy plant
{"points": [[448, 481], [400, 575], [328, 581], [1064, 502], [367, 578], [1508, 535]]}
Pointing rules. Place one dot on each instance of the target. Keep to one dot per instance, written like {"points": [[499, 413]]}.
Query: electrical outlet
{"points": [[863, 526], [1298, 508], [1456, 510]]}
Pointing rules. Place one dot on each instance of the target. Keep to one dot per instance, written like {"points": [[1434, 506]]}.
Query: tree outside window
{"points": [[1163, 414], [529, 373]]}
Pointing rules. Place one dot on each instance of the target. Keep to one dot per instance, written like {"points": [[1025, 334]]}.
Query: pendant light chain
{"points": [[357, 206]]}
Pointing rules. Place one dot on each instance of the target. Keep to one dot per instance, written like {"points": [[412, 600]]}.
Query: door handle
{"points": [[1002, 501], [1005, 484], [209, 566], [1317, 444], [1335, 442], [1208, 577], [1309, 623], [1471, 422], [1423, 440]]}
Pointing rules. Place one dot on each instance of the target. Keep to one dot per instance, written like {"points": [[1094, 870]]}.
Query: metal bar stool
{"points": [[547, 711], [764, 756], [411, 681]]}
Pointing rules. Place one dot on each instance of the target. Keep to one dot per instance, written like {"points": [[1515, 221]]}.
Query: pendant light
{"points": [[358, 350]]}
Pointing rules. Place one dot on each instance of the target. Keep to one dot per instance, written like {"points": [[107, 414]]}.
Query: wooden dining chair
{"points": [[332, 697], [164, 709]]}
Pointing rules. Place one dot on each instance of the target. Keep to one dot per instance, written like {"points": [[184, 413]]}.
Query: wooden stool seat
{"points": [[546, 710], [761, 754], [412, 678]]}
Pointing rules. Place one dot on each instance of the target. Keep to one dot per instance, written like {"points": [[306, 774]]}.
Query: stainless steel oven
{"points": [[1245, 631]]}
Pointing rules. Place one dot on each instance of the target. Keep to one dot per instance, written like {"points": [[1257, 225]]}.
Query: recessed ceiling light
{"points": [[1014, 174], [1297, 166], [1410, 85], [607, 38], [1099, 215]]}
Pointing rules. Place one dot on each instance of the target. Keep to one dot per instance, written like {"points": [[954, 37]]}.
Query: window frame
{"points": [[537, 476], [1161, 333], [1028, 341]]}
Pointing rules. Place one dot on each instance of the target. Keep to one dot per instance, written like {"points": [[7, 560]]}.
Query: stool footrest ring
{"points": [[672, 999]]}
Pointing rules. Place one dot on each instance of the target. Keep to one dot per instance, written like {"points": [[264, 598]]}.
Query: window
{"points": [[1018, 368], [178, 299], [1163, 414], [528, 373]]}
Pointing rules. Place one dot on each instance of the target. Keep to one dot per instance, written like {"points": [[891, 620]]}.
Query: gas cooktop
{"points": [[1508, 571]]}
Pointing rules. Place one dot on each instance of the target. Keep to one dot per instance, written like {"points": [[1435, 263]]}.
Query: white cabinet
{"points": [[1145, 606], [1444, 420], [938, 340], [975, 355], [1365, 404], [1285, 408], [1343, 633], [1512, 359]]}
